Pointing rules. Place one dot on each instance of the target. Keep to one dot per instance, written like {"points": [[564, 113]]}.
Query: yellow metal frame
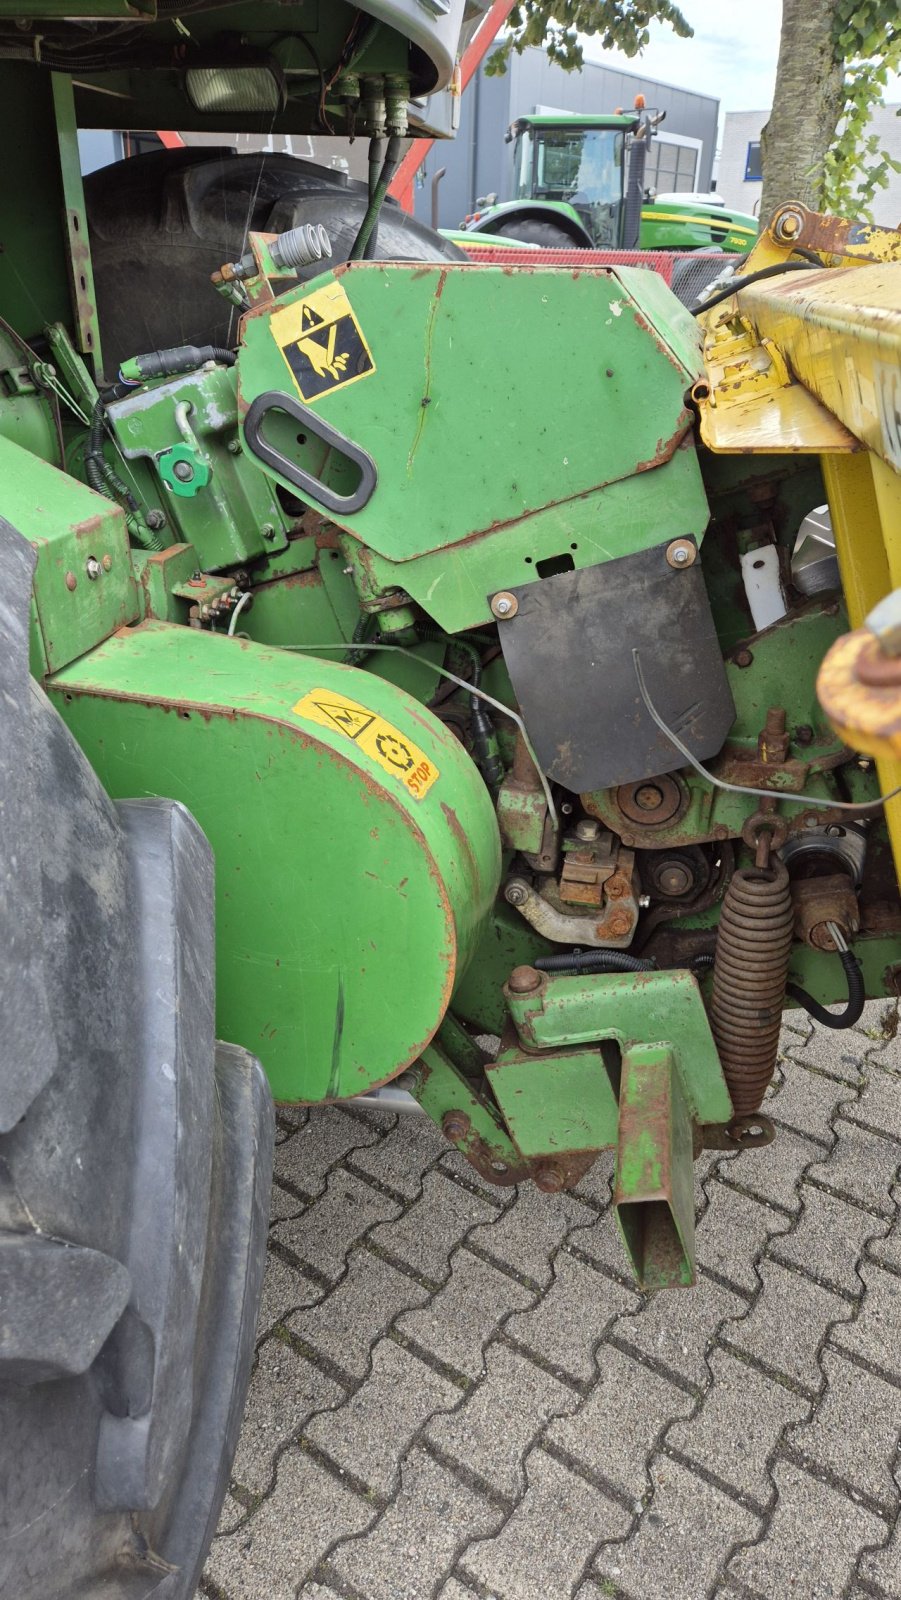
{"points": [[811, 361]]}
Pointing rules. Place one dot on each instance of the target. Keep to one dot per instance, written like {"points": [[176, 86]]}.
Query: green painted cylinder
{"points": [[357, 851]]}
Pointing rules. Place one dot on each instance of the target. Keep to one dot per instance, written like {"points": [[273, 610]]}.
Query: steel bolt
{"points": [[615, 888], [587, 829], [675, 879], [743, 658], [455, 1125], [71, 580], [523, 980], [267, 529], [106, 563], [681, 553], [649, 797], [504, 605], [155, 519], [93, 568], [516, 893], [234, 447], [549, 1177], [183, 471], [619, 925]]}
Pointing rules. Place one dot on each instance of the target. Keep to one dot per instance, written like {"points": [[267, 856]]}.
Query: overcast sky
{"points": [[732, 55]]}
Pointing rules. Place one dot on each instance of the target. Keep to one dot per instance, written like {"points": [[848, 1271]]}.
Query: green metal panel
{"points": [[346, 908], [654, 1186], [563, 454], [70, 526], [556, 1102], [634, 1008]]}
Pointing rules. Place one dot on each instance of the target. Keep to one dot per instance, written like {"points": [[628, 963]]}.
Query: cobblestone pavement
{"points": [[458, 1393]]}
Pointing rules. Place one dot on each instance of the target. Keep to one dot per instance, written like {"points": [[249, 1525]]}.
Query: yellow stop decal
{"points": [[382, 742]]}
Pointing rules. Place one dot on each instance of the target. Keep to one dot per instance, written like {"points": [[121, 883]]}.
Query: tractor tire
{"points": [[536, 230], [161, 223], [135, 1161]]}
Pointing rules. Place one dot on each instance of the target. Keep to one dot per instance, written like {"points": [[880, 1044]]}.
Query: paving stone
{"points": [[283, 1289], [615, 1429], [828, 1240], [399, 1158], [863, 1166], [231, 1514], [854, 1430], [304, 1160], [840, 1055], [490, 1433], [772, 1172], [785, 1327], [811, 1542], [873, 1335], [525, 1237], [733, 1232], [414, 1542], [883, 1566], [739, 1423], [455, 1324], [345, 1325], [324, 1234], [369, 1434], [282, 1204], [676, 1329], [596, 1186], [429, 1230], [455, 1590], [879, 1104], [543, 1547], [807, 1101], [571, 1316], [284, 1390], [680, 1541], [887, 1250], [288, 1534], [455, 1165]]}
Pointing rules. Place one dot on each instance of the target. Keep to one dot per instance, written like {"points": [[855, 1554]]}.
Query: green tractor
{"points": [[579, 183], [412, 706]]}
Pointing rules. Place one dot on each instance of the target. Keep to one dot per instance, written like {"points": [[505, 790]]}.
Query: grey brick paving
{"points": [[457, 1395], [676, 1548]]}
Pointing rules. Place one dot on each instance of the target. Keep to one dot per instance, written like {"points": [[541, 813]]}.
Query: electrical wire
{"points": [[319, 649], [237, 612], [860, 810]]}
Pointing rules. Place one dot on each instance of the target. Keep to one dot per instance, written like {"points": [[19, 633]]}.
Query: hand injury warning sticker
{"points": [[322, 342], [381, 741]]}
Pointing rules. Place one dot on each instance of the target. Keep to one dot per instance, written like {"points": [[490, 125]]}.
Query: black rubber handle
{"points": [[310, 487]]}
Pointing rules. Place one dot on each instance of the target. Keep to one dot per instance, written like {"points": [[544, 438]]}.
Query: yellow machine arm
{"points": [[810, 361]]}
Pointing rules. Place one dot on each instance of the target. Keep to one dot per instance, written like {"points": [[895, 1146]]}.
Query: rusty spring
{"points": [[749, 975]]}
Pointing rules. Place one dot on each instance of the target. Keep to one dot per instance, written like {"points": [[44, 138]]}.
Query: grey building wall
{"points": [[742, 128], [478, 162]]}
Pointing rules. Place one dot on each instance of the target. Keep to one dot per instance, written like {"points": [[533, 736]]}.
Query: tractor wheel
{"points": [[161, 223], [536, 230], [135, 1158]]}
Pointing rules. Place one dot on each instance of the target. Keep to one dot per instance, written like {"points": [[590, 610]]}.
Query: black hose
{"points": [[93, 454], [180, 358], [595, 961], [370, 218], [854, 1008], [752, 277]]}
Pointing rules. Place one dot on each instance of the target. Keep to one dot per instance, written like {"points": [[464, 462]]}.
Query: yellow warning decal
{"points": [[370, 732], [322, 342]]}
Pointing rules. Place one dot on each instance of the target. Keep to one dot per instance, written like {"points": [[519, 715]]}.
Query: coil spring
{"points": [[749, 975]]}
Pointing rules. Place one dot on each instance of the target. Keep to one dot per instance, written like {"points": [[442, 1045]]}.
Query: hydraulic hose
{"points": [[370, 218], [856, 995], [169, 363], [595, 961], [751, 277]]}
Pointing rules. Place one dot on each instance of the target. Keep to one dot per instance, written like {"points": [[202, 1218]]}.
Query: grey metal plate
{"points": [[569, 648]]}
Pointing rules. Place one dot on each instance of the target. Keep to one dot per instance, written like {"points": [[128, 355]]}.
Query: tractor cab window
{"points": [[582, 167]]}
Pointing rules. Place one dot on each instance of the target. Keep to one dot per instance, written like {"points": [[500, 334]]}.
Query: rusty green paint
{"points": [[653, 1191]]}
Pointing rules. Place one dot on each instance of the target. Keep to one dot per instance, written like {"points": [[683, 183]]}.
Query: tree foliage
{"points": [[867, 42], [556, 24]]}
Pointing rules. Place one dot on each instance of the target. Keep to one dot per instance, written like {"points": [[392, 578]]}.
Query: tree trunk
{"points": [[807, 103]]}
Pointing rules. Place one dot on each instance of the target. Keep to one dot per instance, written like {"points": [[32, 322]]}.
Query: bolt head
{"points": [[183, 471], [549, 1178], [504, 605], [71, 580], [516, 894], [523, 980], [619, 925], [743, 658], [93, 568], [455, 1125], [681, 553], [587, 829]]}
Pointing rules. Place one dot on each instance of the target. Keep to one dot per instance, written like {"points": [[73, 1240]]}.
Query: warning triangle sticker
{"points": [[349, 719], [310, 319]]}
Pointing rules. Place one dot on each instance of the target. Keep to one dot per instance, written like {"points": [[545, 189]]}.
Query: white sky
{"points": [[732, 55]]}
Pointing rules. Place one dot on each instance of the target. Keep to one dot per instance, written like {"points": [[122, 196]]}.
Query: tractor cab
{"points": [[576, 164]]}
